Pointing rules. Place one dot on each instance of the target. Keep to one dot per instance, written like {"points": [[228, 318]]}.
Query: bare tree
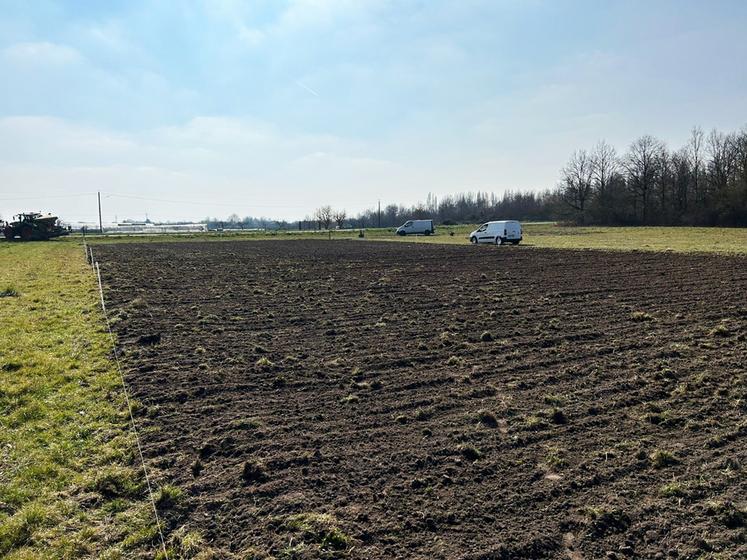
{"points": [[323, 216], [643, 166], [605, 166], [722, 158], [695, 156], [339, 217], [683, 175], [577, 178]]}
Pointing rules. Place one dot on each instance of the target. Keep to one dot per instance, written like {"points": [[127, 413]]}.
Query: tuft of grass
{"points": [[246, 424], [661, 459], [533, 422], [555, 458], [672, 490], [350, 399], [168, 496], [453, 361], [641, 316], [554, 400], [721, 330], [264, 361], [318, 529], [184, 543], [423, 414]]}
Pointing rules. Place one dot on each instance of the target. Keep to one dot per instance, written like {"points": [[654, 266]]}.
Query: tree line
{"points": [[701, 183]]}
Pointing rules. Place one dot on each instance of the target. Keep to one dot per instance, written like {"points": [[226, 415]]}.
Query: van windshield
{"points": [[483, 227], [407, 224]]}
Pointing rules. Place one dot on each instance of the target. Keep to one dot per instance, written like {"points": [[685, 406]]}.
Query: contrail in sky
{"points": [[307, 88]]}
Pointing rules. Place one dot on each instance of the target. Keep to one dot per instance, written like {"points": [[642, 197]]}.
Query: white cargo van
{"points": [[507, 231], [410, 227]]}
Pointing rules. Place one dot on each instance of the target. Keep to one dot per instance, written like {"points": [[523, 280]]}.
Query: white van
{"points": [[507, 231], [410, 227]]}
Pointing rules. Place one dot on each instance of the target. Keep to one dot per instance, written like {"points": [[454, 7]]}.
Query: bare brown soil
{"points": [[379, 400]]}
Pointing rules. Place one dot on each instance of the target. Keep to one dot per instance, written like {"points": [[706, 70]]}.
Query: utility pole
{"points": [[101, 225], [379, 212]]}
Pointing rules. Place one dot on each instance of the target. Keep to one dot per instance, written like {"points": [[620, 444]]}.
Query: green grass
{"points": [[539, 234], [70, 486]]}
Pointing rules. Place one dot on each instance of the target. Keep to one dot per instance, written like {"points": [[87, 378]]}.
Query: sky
{"points": [[182, 110]]}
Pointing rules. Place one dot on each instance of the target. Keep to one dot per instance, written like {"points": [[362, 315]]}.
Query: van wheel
{"points": [[473, 240], [498, 241]]}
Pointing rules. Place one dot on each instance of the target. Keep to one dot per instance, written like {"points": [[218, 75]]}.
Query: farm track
{"points": [[351, 374]]}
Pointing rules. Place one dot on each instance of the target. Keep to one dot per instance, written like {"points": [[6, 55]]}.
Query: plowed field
{"points": [[377, 400]]}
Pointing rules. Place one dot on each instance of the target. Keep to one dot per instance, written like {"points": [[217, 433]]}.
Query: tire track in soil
{"points": [[369, 403]]}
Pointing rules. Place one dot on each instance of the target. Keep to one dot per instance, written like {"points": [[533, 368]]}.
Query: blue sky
{"points": [[274, 108]]}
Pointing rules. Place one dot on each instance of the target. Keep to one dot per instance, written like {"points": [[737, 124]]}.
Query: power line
{"points": [[72, 195], [199, 202]]}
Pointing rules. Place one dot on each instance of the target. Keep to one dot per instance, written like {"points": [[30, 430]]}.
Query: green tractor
{"points": [[34, 227]]}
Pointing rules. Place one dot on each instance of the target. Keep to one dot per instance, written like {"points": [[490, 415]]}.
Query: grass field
{"points": [[69, 483], [549, 235]]}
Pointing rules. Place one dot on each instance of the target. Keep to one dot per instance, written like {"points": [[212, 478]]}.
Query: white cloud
{"points": [[41, 53], [218, 159], [250, 36]]}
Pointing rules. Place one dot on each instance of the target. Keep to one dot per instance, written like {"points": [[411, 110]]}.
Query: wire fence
{"points": [[97, 271]]}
